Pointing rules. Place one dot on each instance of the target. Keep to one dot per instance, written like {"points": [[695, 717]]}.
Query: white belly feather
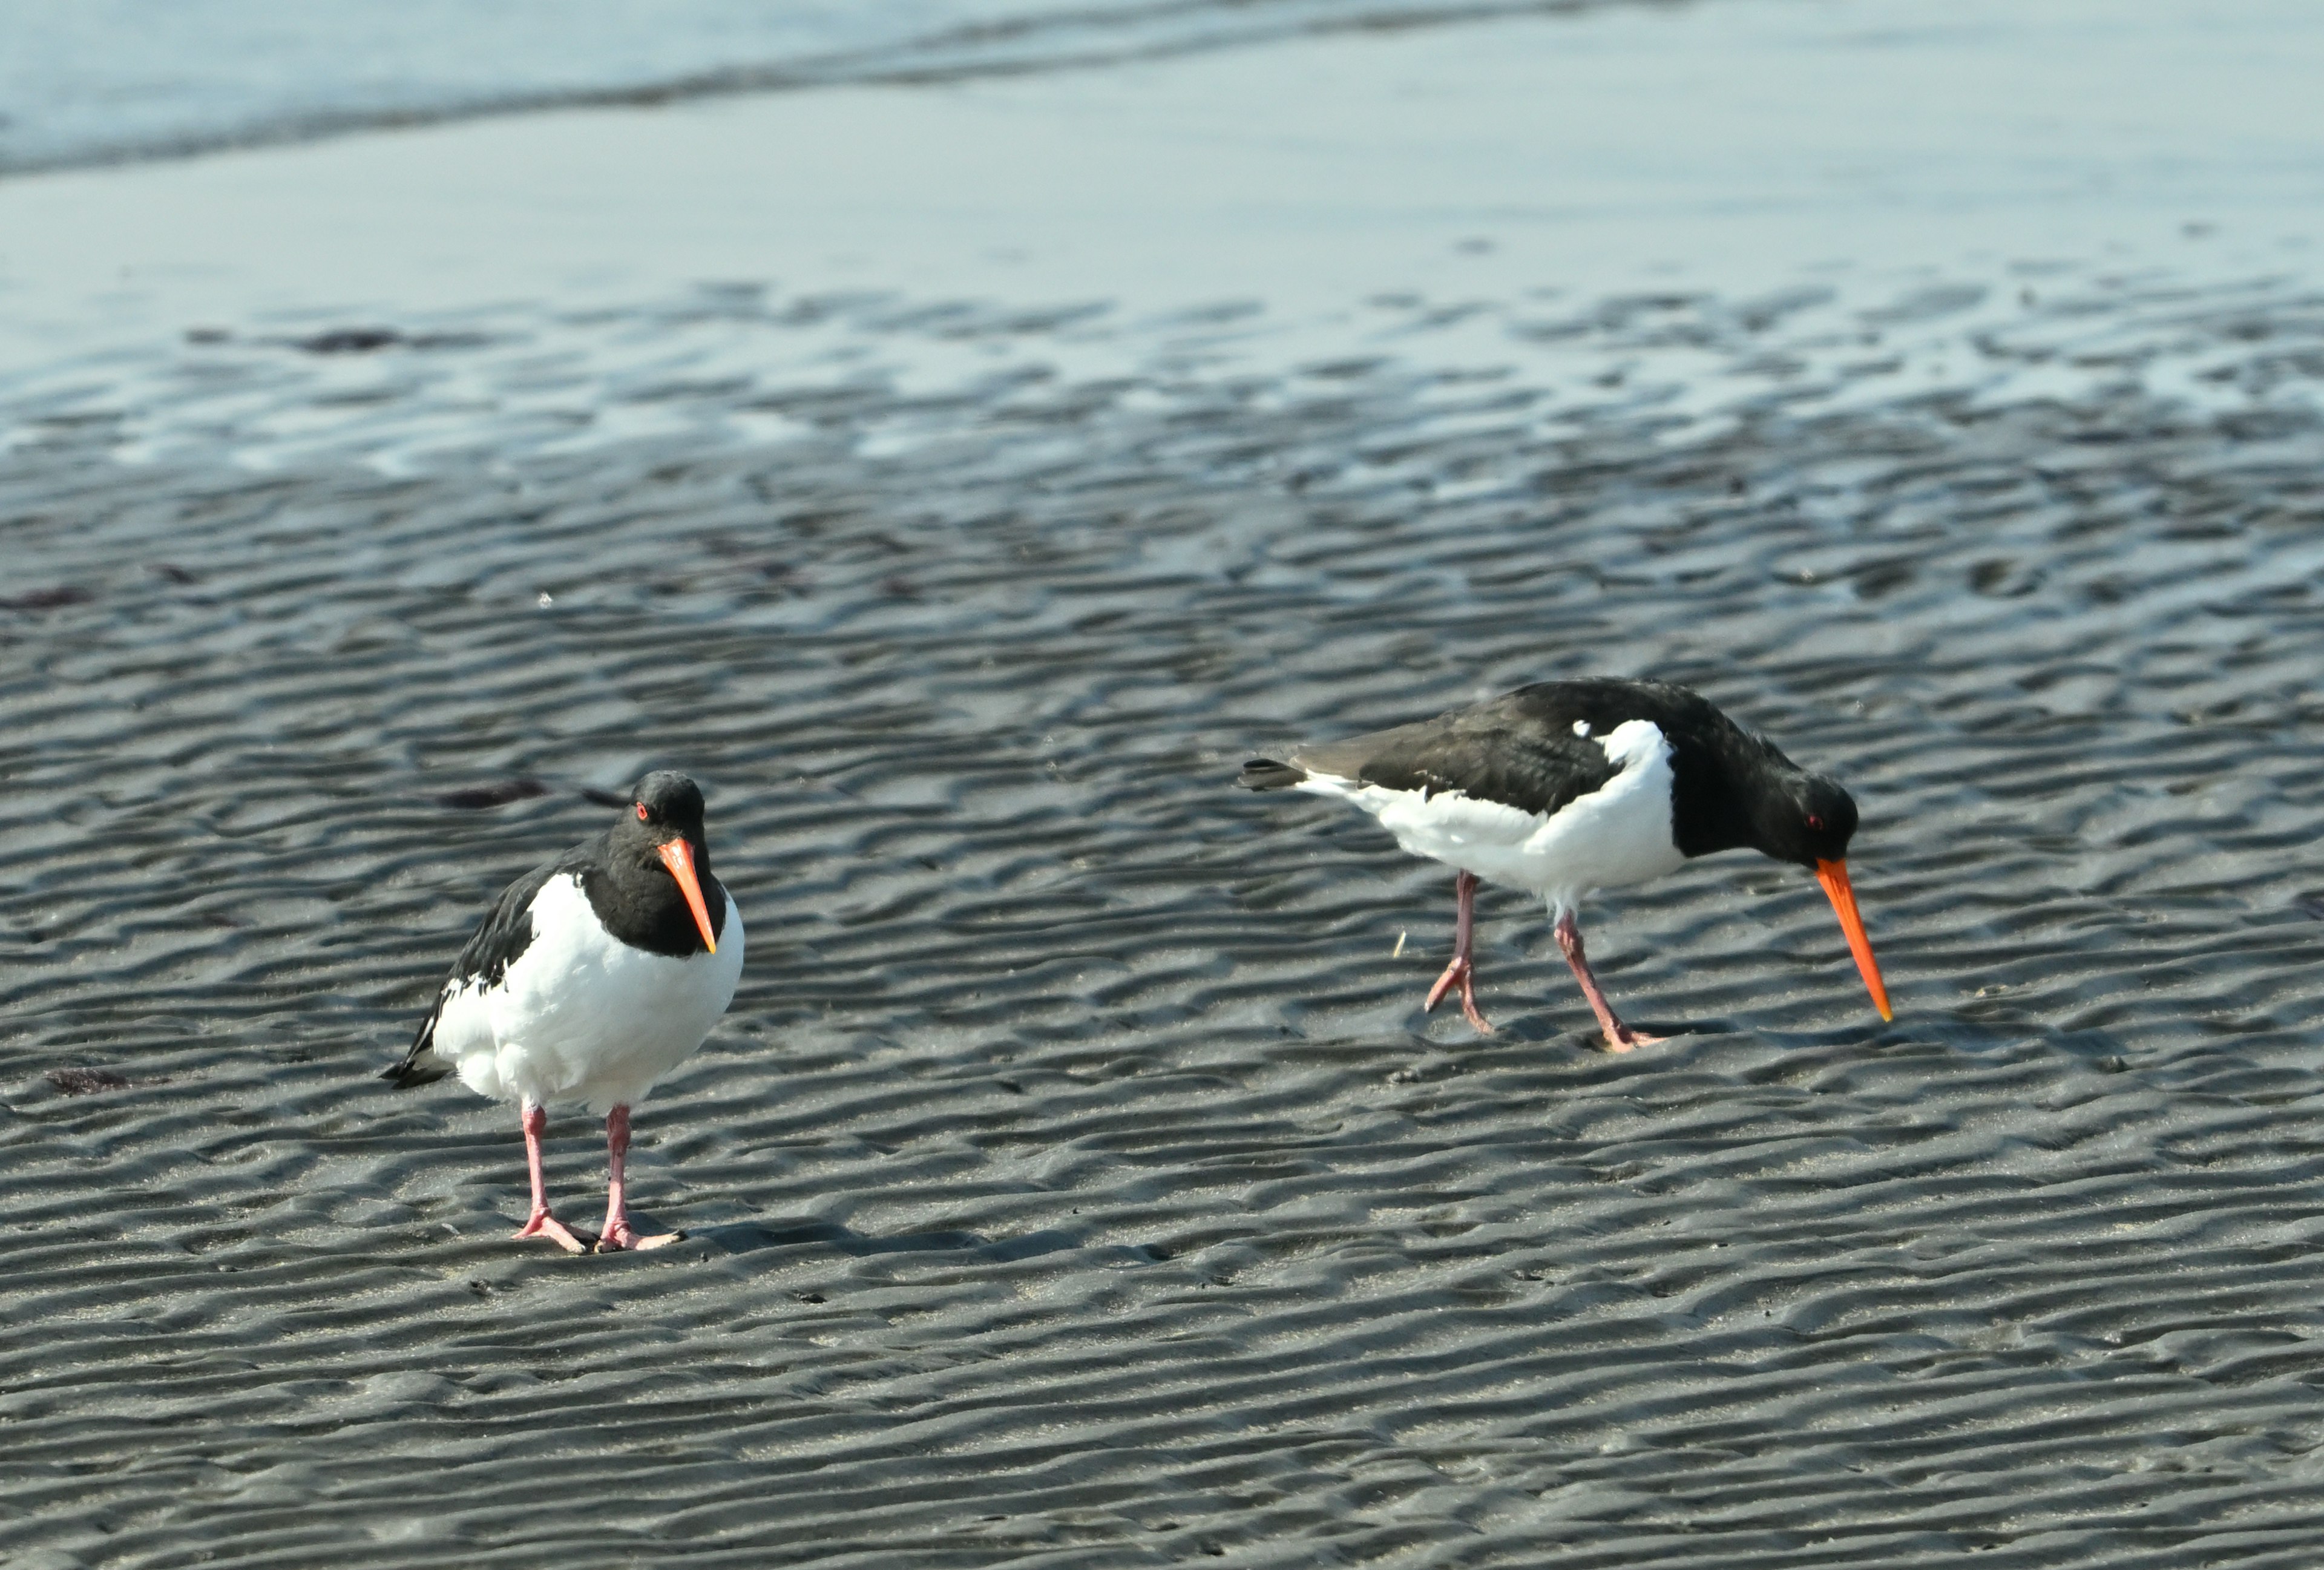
{"points": [[581, 1015], [1616, 834]]}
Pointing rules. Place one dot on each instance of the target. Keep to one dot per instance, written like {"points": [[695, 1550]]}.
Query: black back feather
{"points": [[1522, 749]]}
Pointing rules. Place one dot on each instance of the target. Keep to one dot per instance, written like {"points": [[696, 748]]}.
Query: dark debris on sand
{"points": [[86, 1081]]}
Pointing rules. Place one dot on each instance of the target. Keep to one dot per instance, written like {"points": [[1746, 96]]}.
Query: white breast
{"points": [[581, 1015], [1616, 834]]}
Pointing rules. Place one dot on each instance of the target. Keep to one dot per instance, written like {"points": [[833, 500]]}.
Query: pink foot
{"points": [[619, 1234], [1462, 973], [623, 1235], [540, 1223], [1618, 1037]]}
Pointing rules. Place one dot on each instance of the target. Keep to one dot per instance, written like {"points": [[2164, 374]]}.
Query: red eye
{"points": [[1814, 822], [642, 812]]}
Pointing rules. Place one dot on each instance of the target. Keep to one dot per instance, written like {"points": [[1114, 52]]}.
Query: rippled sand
{"points": [[1075, 1179], [1075, 1174]]}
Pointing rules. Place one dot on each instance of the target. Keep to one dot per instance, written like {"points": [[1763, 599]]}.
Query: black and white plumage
{"points": [[592, 976], [1564, 788]]}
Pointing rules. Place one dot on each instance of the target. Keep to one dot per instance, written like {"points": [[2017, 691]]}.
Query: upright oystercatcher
{"points": [[1564, 788], [593, 976]]}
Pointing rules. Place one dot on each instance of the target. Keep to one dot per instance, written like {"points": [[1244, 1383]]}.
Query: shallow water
{"points": [[1700, 208], [117, 81]]}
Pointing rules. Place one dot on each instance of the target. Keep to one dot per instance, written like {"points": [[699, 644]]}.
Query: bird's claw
{"points": [[540, 1223], [1461, 973], [1455, 972], [622, 1237]]}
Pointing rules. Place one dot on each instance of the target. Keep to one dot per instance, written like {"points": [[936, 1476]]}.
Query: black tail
{"points": [[1266, 774], [421, 1065]]}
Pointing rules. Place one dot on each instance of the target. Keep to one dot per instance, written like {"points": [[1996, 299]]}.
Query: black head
{"points": [[660, 836], [668, 803], [1806, 819]]}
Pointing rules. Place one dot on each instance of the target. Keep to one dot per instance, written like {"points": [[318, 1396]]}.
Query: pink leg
{"points": [[1620, 1038], [540, 1223], [619, 1233], [1463, 970]]}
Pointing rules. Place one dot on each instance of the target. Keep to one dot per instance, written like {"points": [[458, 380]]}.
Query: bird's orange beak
{"points": [[1833, 876], [678, 857]]}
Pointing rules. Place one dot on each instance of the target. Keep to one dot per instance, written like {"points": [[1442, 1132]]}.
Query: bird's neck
{"points": [[641, 905], [1724, 803]]}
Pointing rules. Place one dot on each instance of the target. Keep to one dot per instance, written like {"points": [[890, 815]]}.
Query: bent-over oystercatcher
{"points": [[1564, 788], [593, 976]]}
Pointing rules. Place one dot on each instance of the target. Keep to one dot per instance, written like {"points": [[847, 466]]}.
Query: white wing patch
{"points": [[1616, 834]]}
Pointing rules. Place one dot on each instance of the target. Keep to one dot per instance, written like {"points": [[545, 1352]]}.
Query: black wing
{"points": [[506, 933], [1483, 753], [1506, 749], [1523, 750]]}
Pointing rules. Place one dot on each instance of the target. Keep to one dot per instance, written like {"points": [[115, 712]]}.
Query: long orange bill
{"points": [[678, 857], [1833, 876]]}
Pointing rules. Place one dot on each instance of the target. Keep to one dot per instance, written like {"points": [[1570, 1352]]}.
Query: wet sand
{"points": [[1076, 1173], [1075, 1179]]}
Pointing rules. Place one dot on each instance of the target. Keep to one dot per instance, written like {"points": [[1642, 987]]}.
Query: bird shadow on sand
{"points": [[1966, 1038], [1513, 1028], [742, 1237]]}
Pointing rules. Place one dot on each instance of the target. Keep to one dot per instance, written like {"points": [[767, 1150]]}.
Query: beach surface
{"points": [[961, 478]]}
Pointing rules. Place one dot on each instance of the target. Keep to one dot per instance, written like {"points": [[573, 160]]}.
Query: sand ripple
{"points": [[1075, 1177]]}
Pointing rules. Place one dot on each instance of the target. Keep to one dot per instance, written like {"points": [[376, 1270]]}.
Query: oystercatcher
{"points": [[593, 976], [1564, 788]]}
